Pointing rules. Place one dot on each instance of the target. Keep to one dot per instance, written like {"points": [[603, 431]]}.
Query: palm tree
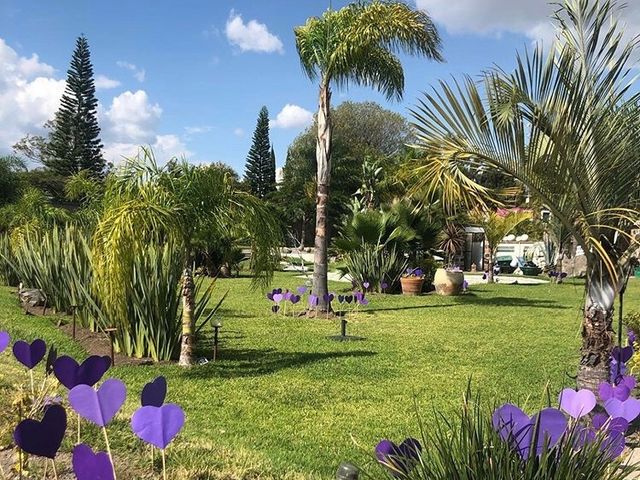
{"points": [[356, 44], [145, 204], [497, 224], [566, 125]]}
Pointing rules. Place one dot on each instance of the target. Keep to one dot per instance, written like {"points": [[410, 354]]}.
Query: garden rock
{"points": [[32, 297]]}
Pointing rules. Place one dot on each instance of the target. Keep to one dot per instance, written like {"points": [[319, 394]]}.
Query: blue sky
{"points": [[190, 77]]}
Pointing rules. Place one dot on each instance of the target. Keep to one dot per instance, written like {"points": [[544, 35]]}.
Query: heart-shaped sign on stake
{"points": [[399, 459], [158, 426], [629, 409], [91, 466], [29, 354], [70, 374], [99, 406], [154, 393], [5, 338], [577, 403], [42, 438]]}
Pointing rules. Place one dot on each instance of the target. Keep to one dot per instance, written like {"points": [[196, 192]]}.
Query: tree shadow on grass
{"points": [[413, 307], [238, 363], [473, 299]]}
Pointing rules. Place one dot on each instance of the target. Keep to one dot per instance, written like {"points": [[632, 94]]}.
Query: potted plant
{"points": [[450, 280], [412, 281]]}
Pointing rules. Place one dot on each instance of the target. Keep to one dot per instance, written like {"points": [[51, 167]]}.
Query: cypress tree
{"points": [[74, 142], [259, 174]]}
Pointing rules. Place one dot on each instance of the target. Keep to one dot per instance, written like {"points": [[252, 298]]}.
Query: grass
{"points": [[284, 401]]}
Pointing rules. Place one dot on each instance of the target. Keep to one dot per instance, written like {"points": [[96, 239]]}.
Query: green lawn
{"points": [[285, 401]]}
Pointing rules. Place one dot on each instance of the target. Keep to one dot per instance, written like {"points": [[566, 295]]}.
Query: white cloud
{"points": [[292, 116], [132, 121], [251, 36], [198, 129], [29, 95], [133, 117], [102, 82], [492, 17], [138, 73], [238, 132]]}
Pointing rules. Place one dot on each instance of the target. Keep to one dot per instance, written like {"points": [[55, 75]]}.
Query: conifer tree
{"points": [[272, 170], [74, 142], [259, 174]]}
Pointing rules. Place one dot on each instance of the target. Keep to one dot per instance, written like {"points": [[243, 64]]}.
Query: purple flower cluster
{"points": [[414, 272]]}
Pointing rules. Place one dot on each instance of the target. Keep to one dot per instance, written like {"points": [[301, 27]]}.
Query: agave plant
{"points": [[146, 206], [565, 124]]}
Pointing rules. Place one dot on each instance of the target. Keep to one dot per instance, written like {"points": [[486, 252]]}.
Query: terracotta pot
{"points": [[411, 285], [448, 283]]}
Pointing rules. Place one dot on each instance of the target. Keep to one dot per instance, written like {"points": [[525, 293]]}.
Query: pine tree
{"points": [[74, 143], [259, 172]]}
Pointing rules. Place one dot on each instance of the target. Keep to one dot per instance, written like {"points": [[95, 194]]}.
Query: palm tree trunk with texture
{"points": [[188, 327], [597, 330], [323, 177]]}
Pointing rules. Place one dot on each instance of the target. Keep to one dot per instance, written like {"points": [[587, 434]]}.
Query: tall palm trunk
{"points": [[188, 327], [323, 159], [488, 259], [597, 330]]}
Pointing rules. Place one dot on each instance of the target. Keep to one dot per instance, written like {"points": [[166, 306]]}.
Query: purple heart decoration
{"points": [[70, 374], [5, 338], [275, 308], [348, 298], [287, 295], [509, 421], [91, 466], [29, 354], [158, 425], [340, 299], [99, 406], [42, 438], [154, 392], [628, 381], [295, 299], [577, 403], [547, 427], [608, 391], [358, 296], [603, 421], [302, 290], [629, 409], [364, 301], [313, 300], [328, 297], [398, 459], [277, 297], [366, 284], [613, 444], [270, 296], [277, 290], [622, 355]]}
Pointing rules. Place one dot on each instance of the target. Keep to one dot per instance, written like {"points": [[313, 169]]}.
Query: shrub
{"points": [[469, 447], [374, 264]]}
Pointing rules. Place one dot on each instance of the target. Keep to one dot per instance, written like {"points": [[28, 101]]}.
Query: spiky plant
{"points": [[566, 124]]}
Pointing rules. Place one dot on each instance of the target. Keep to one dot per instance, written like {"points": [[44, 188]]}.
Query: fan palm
{"points": [[145, 204], [566, 125], [356, 44], [497, 224]]}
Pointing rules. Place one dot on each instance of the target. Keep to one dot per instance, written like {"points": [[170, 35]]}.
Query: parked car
{"points": [[509, 264]]}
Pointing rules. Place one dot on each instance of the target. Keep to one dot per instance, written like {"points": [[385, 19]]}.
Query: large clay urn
{"points": [[448, 282]]}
